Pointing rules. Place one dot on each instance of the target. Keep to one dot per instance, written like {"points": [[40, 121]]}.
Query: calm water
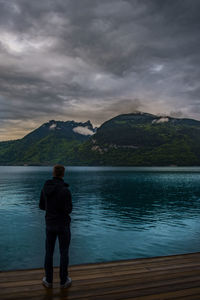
{"points": [[119, 213]]}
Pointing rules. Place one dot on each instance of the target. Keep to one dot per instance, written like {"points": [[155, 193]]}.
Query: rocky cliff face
{"points": [[70, 130]]}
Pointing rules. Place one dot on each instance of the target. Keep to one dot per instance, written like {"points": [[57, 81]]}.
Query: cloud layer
{"points": [[91, 59]]}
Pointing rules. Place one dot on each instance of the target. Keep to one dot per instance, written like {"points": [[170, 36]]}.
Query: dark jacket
{"points": [[56, 200]]}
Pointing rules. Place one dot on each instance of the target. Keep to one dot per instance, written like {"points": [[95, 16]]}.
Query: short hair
{"points": [[58, 171]]}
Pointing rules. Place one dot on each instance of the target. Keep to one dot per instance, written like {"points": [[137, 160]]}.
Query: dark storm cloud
{"points": [[91, 59]]}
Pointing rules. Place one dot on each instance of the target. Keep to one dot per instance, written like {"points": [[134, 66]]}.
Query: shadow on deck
{"points": [[169, 277]]}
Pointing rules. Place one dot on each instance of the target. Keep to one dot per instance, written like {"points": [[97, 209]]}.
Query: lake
{"points": [[118, 213]]}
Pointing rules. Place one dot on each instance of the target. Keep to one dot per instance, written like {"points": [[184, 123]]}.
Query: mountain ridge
{"points": [[137, 138]]}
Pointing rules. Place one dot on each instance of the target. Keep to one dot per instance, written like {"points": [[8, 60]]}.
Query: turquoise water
{"points": [[119, 213]]}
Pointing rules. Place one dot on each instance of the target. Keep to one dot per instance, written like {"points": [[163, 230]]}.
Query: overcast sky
{"points": [[94, 59]]}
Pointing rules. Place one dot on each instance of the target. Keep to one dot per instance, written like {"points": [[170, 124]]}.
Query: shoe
{"points": [[67, 283], [46, 283]]}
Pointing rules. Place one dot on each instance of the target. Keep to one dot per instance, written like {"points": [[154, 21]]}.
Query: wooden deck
{"points": [[169, 277]]}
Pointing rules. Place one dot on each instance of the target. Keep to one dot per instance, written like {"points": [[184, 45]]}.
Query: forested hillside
{"points": [[137, 139]]}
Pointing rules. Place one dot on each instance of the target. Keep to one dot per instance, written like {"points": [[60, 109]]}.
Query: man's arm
{"points": [[42, 200]]}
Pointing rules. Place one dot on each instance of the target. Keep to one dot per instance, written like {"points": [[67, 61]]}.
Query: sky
{"points": [[94, 59]]}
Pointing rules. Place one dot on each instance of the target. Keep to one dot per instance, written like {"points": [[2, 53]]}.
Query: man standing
{"points": [[56, 200]]}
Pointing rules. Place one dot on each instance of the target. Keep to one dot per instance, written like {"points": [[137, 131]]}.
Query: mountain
{"points": [[70, 130], [144, 130], [50, 143], [135, 139], [144, 139]]}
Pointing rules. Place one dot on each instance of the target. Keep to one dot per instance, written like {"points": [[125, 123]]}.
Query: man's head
{"points": [[59, 171]]}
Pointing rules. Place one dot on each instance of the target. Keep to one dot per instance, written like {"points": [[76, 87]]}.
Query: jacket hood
{"points": [[52, 185]]}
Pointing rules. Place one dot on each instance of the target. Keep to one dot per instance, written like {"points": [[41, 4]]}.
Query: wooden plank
{"points": [[123, 293], [173, 295], [127, 288], [170, 277], [121, 281], [189, 297], [135, 276], [118, 272], [147, 266]]}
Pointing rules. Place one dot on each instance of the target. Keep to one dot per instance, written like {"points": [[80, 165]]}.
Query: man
{"points": [[56, 200]]}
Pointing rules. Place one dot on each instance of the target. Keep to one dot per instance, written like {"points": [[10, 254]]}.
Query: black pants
{"points": [[64, 236]]}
